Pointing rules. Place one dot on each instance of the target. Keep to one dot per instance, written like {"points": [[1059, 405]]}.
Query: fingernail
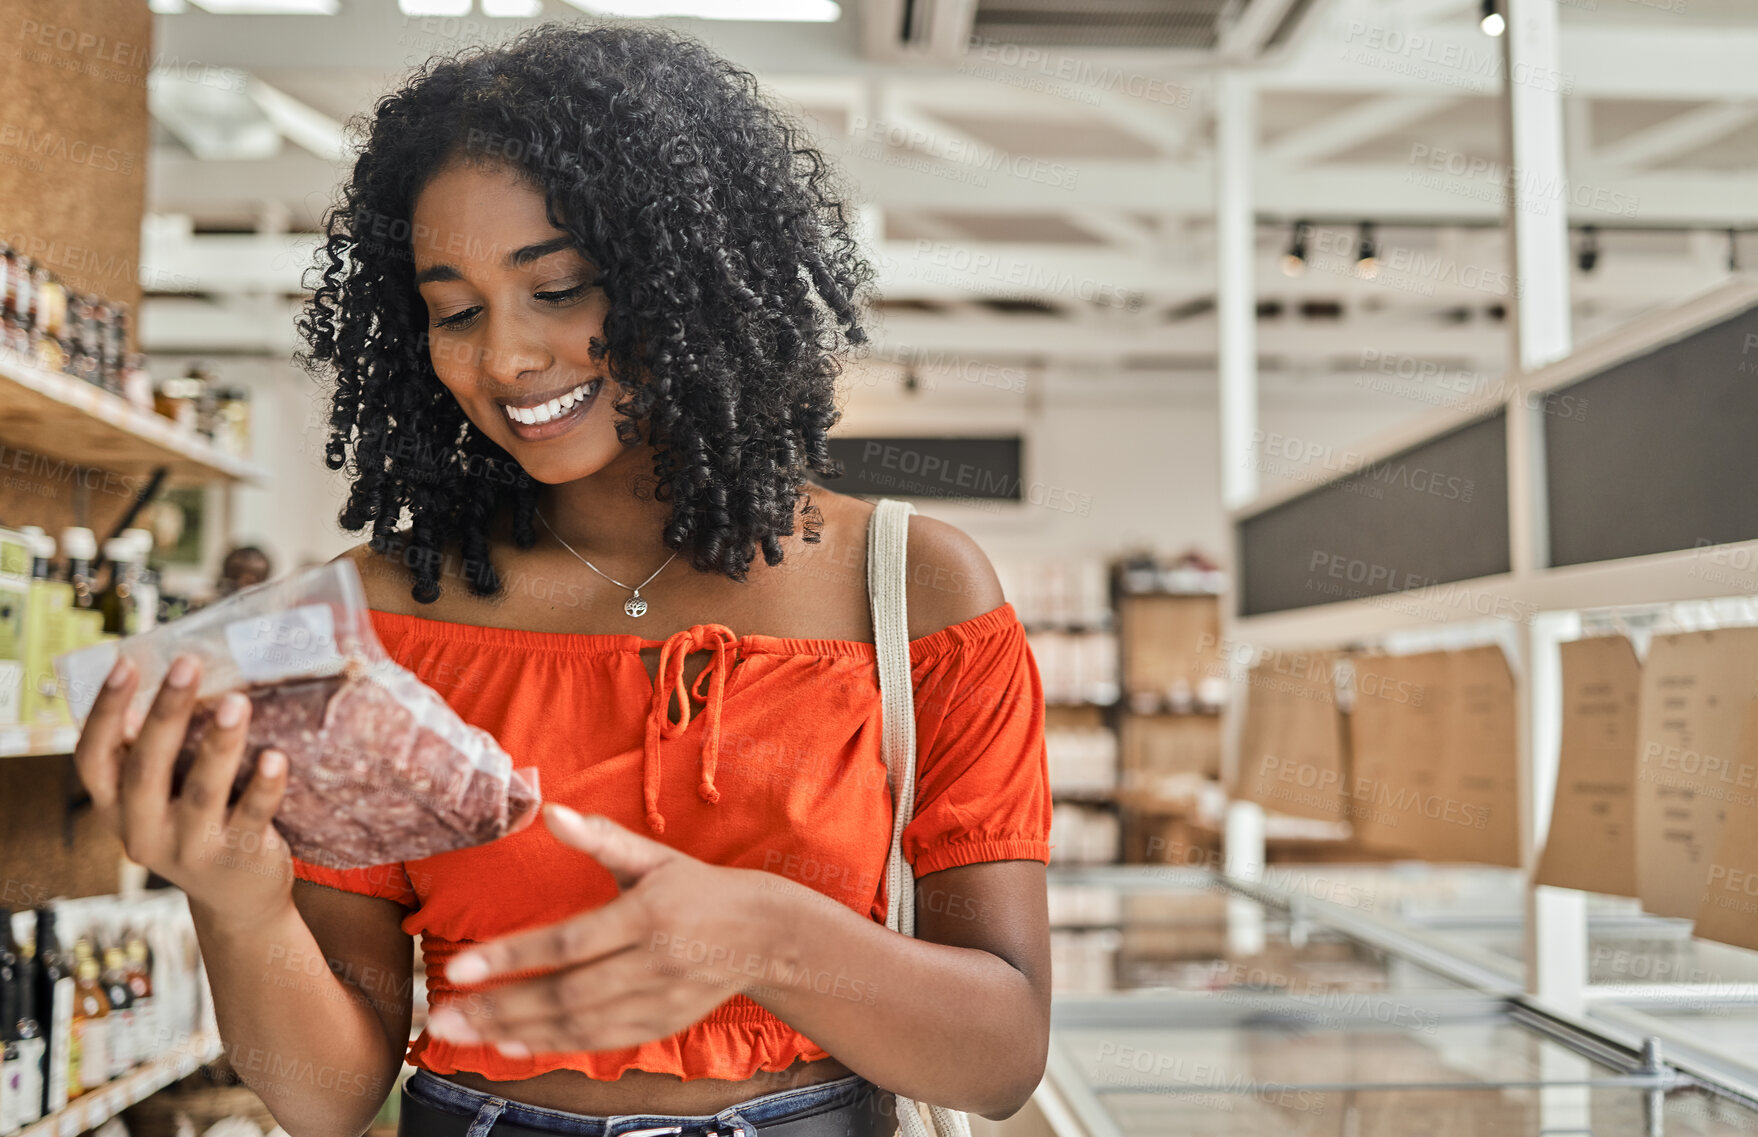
{"points": [[120, 673], [466, 969], [513, 1049], [563, 813], [182, 671], [231, 711], [272, 763]]}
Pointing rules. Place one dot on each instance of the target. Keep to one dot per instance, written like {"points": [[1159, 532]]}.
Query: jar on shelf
{"points": [[232, 428], [177, 400]]}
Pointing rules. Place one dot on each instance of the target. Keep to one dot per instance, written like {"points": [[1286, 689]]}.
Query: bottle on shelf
{"points": [[78, 549], [88, 1064], [48, 327], [12, 1084], [146, 586], [124, 1047], [54, 996], [28, 1105], [137, 381], [15, 307], [138, 971], [118, 601]]}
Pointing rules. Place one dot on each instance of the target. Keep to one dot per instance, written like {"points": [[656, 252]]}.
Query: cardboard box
{"points": [[1592, 840], [1690, 714], [1168, 641], [1155, 747], [1293, 753]]}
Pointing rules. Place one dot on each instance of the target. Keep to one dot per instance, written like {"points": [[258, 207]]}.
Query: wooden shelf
{"points": [[93, 1108], [61, 417], [1091, 795], [36, 741]]}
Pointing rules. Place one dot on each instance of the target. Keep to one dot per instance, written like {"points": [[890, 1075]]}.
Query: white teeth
{"points": [[555, 408]]}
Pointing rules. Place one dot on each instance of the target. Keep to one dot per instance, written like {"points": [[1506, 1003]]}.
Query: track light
{"points": [[1493, 22], [1588, 254], [1294, 260], [1367, 265]]}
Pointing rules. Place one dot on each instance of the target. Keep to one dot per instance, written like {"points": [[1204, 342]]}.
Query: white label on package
{"points": [[298, 641]]}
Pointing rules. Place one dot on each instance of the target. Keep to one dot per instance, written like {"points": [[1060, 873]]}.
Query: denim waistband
{"points": [[765, 1109]]}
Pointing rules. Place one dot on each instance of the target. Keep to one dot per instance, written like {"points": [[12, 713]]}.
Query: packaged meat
{"points": [[380, 768]]}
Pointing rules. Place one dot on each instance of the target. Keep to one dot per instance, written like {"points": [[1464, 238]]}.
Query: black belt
{"points": [[865, 1112]]}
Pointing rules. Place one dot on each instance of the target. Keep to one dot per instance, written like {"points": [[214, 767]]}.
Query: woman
{"points": [[584, 299]]}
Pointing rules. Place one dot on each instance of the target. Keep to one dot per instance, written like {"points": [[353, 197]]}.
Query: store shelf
{"points": [[61, 417], [1087, 795], [36, 741], [92, 1109]]}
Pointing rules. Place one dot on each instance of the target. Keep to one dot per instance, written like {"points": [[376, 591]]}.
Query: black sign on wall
{"points": [[933, 467], [1430, 515], [1657, 453]]}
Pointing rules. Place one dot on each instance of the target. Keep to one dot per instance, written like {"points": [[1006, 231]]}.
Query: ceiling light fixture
{"points": [[1493, 22], [1367, 263], [269, 7], [1294, 260], [805, 11]]}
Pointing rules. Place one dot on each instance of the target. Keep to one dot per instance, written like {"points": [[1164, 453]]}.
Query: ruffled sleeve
{"points": [[389, 882], [982, 777]]}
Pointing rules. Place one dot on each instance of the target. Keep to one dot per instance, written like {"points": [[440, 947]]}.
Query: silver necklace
{"points": [[634, 605]]}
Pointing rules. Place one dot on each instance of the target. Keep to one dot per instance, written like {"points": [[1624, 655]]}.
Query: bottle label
{"points": [[60, 1045], [94, 1052], [147, 1043], [11, 1088], [121, 1029], [30, 1100]]}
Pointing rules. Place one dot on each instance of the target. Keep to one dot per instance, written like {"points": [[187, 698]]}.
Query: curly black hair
{"points": [[726, 254]]}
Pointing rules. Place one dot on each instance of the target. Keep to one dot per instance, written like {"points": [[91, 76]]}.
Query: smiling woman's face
{"points": [[512, 309]]}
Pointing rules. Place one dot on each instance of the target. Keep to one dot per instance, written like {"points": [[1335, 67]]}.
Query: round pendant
{"points": [[635, 606]]}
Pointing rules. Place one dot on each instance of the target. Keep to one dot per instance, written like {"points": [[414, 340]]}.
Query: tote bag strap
{"points": [[887, 540]]}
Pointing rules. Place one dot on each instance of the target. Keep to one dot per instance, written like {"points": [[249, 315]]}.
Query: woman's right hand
{"points": [[231, 862]]}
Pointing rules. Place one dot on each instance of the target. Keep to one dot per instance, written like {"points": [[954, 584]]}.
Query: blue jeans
{"points": [[742, 1117]]}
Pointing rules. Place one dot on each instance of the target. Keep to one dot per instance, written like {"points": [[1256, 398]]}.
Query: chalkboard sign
{"points": [[1432, 514], [1657, 453], [931, 467]]}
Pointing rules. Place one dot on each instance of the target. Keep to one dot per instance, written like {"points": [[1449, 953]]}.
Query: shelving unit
{"points": [[92, 1109], [60, 417]]}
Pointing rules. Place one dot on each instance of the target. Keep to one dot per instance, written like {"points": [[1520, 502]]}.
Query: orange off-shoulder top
{"points": [[780, 770]]}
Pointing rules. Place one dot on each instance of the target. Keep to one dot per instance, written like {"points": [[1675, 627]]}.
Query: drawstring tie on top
{"points": [[669, 680]]}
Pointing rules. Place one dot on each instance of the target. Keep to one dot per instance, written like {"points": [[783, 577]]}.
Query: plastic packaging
{"points": [[381, 769]]}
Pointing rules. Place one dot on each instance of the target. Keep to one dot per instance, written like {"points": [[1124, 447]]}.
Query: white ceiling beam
{"points": [[1356, 50], [1385, 192], [1678, 135], [1349, 128], [1243, 39], [298, 122], [1120, 230]]}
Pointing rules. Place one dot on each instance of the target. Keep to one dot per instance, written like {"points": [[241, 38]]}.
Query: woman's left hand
{"points": [[683, 937]]}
